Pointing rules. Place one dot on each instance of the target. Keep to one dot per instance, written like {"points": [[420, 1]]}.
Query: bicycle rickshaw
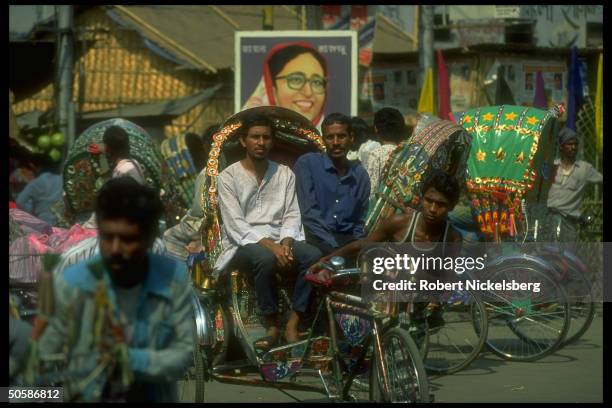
{"points": [[359, 351], [87, 168], [435, 144], [508, 175]]}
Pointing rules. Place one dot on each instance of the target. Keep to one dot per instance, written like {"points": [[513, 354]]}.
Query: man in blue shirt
{"points": [[332, 191], [126, 308], [42, 193]]}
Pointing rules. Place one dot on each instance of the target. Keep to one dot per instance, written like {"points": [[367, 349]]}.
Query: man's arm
{"points": [[169, 362], [291, 225], [593, 176], [24, 199], [311, 212], [234, 221], [363, 200], [383, 233]]}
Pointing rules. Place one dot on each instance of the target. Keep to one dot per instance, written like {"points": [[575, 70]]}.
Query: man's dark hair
{"points": [[256, 120], [124, 197], [443, 183], [50, 166], [361, 131], [337, 117], [390, 125], [117, 141], [280, 58]]}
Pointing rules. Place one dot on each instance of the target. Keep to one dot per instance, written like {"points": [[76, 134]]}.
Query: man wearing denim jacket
{"points": [[123, 319]]}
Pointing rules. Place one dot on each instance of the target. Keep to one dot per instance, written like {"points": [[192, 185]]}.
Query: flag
{"points": [[599, 106], [268, 17], [539, 100], [444, 108], [426, 101], [503, 94], [574, 90]]}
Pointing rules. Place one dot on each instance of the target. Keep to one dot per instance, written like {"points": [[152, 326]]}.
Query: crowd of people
{"points": [[122, 306]]}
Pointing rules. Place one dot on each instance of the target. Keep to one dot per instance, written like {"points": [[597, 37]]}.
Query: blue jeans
{"points": [[259, 265]]}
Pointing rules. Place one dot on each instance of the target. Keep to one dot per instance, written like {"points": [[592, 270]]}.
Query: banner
{"points": [[443, 89], [426, 101], [461, 87], [365, 25], [330, 16], [311, 72], [599, 105], [358, 18]]}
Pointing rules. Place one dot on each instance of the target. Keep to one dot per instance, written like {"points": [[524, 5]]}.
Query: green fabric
{"points": [[510, 160], [435, 144], [505, 142]]}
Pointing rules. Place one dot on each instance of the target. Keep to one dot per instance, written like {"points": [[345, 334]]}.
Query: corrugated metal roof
{"points": [[202, 36], [167, 108]]}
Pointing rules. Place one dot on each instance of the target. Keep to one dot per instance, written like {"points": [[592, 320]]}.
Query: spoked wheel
{"points": [[191, 388], [582, 313], [457, 332], [574, 278], [200, 367], [526, 325], [406, 377], [417, 329]]}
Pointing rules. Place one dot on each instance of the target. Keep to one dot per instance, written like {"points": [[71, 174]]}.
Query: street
{"points": [[572, 374]]}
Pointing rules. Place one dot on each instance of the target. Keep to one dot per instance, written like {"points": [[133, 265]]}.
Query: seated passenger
{"points": [[333, 191], [262, 228]]}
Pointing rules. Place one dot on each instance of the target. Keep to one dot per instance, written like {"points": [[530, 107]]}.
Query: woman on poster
{"points": [[294, 77]]}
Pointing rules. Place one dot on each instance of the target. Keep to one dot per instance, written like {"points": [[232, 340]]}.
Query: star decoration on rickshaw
{"points": [[481, 156], [510, 116], [520, 158], [532, 120], [467, 119], [487, 116], [500, 154]]}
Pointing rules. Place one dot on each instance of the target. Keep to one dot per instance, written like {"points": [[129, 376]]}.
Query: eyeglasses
{"points": [[297, 80]]}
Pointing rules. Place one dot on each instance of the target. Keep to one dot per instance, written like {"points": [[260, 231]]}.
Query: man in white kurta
{"points": [[262, 228]]}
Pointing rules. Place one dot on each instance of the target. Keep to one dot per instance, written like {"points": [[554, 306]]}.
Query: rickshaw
{"points": [[87, 168], [348, 346], [435, 144], [509, 174]]}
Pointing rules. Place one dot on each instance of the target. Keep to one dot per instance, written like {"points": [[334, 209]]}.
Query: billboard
{"points": [[311, 72]]}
